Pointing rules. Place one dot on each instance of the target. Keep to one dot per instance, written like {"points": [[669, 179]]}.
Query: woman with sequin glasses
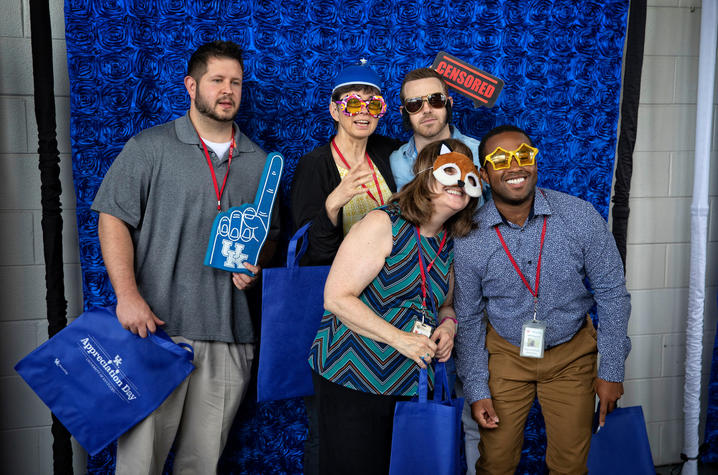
{"points": [[336, 184]]}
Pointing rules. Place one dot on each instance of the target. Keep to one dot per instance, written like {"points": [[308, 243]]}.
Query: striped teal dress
{"points": [[357, 362]]}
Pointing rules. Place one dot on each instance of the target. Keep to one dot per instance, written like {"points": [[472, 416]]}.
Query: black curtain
{"points": [[50, 189], [633, 63]]}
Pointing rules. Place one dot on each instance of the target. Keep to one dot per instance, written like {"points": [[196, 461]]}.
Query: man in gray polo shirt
{"points": [[157, 204]]}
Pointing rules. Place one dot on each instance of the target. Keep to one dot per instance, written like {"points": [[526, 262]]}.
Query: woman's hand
{"points": [[416, 347], [444, 338], [348, 188]]}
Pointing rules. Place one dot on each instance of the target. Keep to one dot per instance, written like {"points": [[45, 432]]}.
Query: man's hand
{"points": [[135, 315], [482, 411], [244, 281], [608, 393]]}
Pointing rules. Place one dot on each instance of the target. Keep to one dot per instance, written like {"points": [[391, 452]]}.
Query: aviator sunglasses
{"points": [[436, 100], [352, 104], [500, 159]]}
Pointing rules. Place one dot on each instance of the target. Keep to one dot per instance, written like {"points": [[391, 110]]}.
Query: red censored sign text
{"points": [[479, 86]]}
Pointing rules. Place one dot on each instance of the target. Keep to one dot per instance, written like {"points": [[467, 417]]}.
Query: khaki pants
{"points": [[199, 414], [563, 380]]}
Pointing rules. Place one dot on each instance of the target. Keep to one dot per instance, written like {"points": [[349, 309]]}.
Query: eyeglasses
{"points": [[500, 159], [436, 100], [352, 105]]}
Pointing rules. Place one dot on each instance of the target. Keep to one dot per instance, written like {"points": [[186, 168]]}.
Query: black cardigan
{"points": [[315, 178]]}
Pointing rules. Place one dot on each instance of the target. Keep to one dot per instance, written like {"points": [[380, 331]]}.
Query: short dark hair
{"points": [[496, 131], [197, 65], [414, 199], [422, 73]]}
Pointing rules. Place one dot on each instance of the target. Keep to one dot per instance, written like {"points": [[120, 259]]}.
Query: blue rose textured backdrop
{"points": [[560, 59]]}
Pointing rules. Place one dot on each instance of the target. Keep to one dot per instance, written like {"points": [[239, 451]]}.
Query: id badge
{"points": [[532, 339], [421, 329]]}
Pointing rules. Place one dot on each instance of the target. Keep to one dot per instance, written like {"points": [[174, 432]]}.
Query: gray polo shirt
{"points": [[161, 186]]}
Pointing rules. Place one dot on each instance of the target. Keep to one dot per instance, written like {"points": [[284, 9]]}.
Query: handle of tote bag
{"points": [[292, 255], [441, 382], [162, 339], [182, 349], [423, 388]]}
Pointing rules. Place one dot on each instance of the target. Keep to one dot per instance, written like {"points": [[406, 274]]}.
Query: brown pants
{"points": [[563, 380]]}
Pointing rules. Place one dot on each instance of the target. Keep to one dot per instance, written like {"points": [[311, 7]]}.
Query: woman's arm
{"points": [[359, 260]]}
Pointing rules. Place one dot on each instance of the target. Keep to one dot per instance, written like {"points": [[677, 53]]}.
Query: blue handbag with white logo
{"points": [[100, 379]]}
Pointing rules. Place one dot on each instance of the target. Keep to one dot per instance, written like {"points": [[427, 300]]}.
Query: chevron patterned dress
{"points": [[357, 362]]}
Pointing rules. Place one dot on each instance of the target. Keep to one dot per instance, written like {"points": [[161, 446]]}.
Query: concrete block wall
{"points": [[658, 251], [25, 438]]}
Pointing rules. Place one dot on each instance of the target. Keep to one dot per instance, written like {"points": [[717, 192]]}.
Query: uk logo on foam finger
{"points": [[239, 233]]}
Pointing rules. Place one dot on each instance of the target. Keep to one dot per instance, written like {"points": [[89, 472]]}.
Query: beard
{"points": [[433, 131], [205, 108]]}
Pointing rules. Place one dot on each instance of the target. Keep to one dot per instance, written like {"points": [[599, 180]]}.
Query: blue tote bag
{"points": [[426, 438], [292, 308], [621, 445], [100, 379]]}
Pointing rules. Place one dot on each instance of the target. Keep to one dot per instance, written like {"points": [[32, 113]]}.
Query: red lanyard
{"points": [[379, 202], [424, 273], [218, 191], [518, 271]]}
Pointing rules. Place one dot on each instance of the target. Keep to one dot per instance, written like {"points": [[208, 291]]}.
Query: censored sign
{"points": [[479, 86]]}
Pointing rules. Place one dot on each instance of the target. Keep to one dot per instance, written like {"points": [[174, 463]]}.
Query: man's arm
{"points": [[118, 253], [604, 270], [472, 359]]}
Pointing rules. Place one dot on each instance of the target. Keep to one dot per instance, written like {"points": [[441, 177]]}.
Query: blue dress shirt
{"points": [[402, 159], [578, 245]]}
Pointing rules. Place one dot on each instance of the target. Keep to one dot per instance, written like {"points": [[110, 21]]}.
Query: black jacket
{"points": [[315, 178]]}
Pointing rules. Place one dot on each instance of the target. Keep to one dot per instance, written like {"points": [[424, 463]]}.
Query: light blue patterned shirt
{"points": [[402, 159], [578, 245]]}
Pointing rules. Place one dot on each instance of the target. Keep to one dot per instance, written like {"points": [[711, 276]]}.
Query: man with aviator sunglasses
{"points": [[426, 110], [522, 308]]}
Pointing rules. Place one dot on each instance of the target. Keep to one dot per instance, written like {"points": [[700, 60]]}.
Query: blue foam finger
{"points": [[239, 233], [267, 193]]}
